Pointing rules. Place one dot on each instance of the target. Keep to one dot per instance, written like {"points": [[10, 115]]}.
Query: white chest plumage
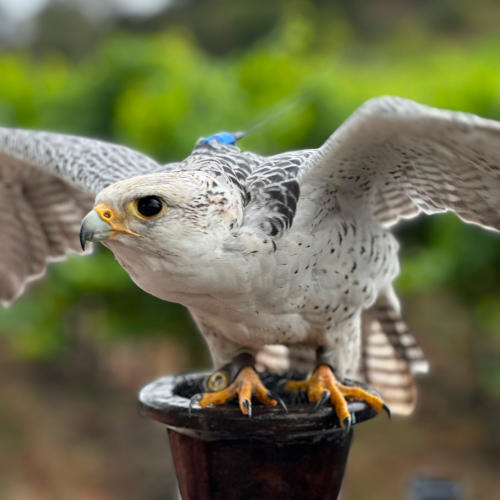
{"points": [[310, 290]]}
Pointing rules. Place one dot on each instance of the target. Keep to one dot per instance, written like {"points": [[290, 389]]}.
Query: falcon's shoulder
{"points": [[273, 192]]}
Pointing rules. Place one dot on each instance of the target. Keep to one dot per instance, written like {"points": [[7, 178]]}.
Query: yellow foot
{"points": [[246, 385], [322, 385]]}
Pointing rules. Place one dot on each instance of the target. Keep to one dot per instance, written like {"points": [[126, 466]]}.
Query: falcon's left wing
{"points": [[47, 184], [396, 157]]}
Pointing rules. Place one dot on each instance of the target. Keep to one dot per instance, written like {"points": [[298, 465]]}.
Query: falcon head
{"points": [[167, 214]]}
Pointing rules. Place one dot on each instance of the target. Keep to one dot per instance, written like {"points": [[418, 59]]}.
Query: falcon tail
{"points": [[391, 355]]}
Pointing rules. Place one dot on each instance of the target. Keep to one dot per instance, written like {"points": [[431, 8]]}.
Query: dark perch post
{"points": [[221, 454]]}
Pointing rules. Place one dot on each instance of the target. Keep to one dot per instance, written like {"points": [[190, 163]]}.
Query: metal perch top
{"points": [[167, 400]]}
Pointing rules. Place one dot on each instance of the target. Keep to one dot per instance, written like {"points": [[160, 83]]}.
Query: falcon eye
{"points": [[149, 206]]}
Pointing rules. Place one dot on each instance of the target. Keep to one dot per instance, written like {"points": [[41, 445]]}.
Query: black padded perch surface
{"points": [[221, 454]]}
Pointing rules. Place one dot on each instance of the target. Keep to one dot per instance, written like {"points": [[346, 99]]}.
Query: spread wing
{"points": [[47, 184], [395, 158]]}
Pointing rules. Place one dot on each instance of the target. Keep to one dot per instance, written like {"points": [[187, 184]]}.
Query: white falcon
{"points": [[291, 250]]}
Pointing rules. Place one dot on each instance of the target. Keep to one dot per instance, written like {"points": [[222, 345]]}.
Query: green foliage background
{"points": [[158, 92]]}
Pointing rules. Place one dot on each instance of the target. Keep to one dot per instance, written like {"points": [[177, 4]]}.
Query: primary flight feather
{"points": [[292, 249]]}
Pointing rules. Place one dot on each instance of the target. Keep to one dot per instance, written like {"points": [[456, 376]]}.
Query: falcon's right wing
{"points": [[48, 183]]}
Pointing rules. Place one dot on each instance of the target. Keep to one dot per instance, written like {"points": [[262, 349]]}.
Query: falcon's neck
{"points": [[185, 278]]}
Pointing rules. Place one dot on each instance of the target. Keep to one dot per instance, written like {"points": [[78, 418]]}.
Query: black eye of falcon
{"points": [[149, 206]]}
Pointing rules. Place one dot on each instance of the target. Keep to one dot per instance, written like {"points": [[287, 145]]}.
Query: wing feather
{"points": [[48, 183], [399, 157], [273, 193]]}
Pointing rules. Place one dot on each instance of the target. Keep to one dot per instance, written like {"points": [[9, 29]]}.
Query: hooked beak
{"points": [[101, 224]]}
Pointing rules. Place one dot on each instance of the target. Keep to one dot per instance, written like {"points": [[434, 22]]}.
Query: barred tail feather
{"points": [[391, 355]]}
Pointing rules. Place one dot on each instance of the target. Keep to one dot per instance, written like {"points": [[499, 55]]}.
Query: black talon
{"points": [[273, 395], [248, 406], [347, 425], [195, 399], [387, 410], [324, 398]]}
